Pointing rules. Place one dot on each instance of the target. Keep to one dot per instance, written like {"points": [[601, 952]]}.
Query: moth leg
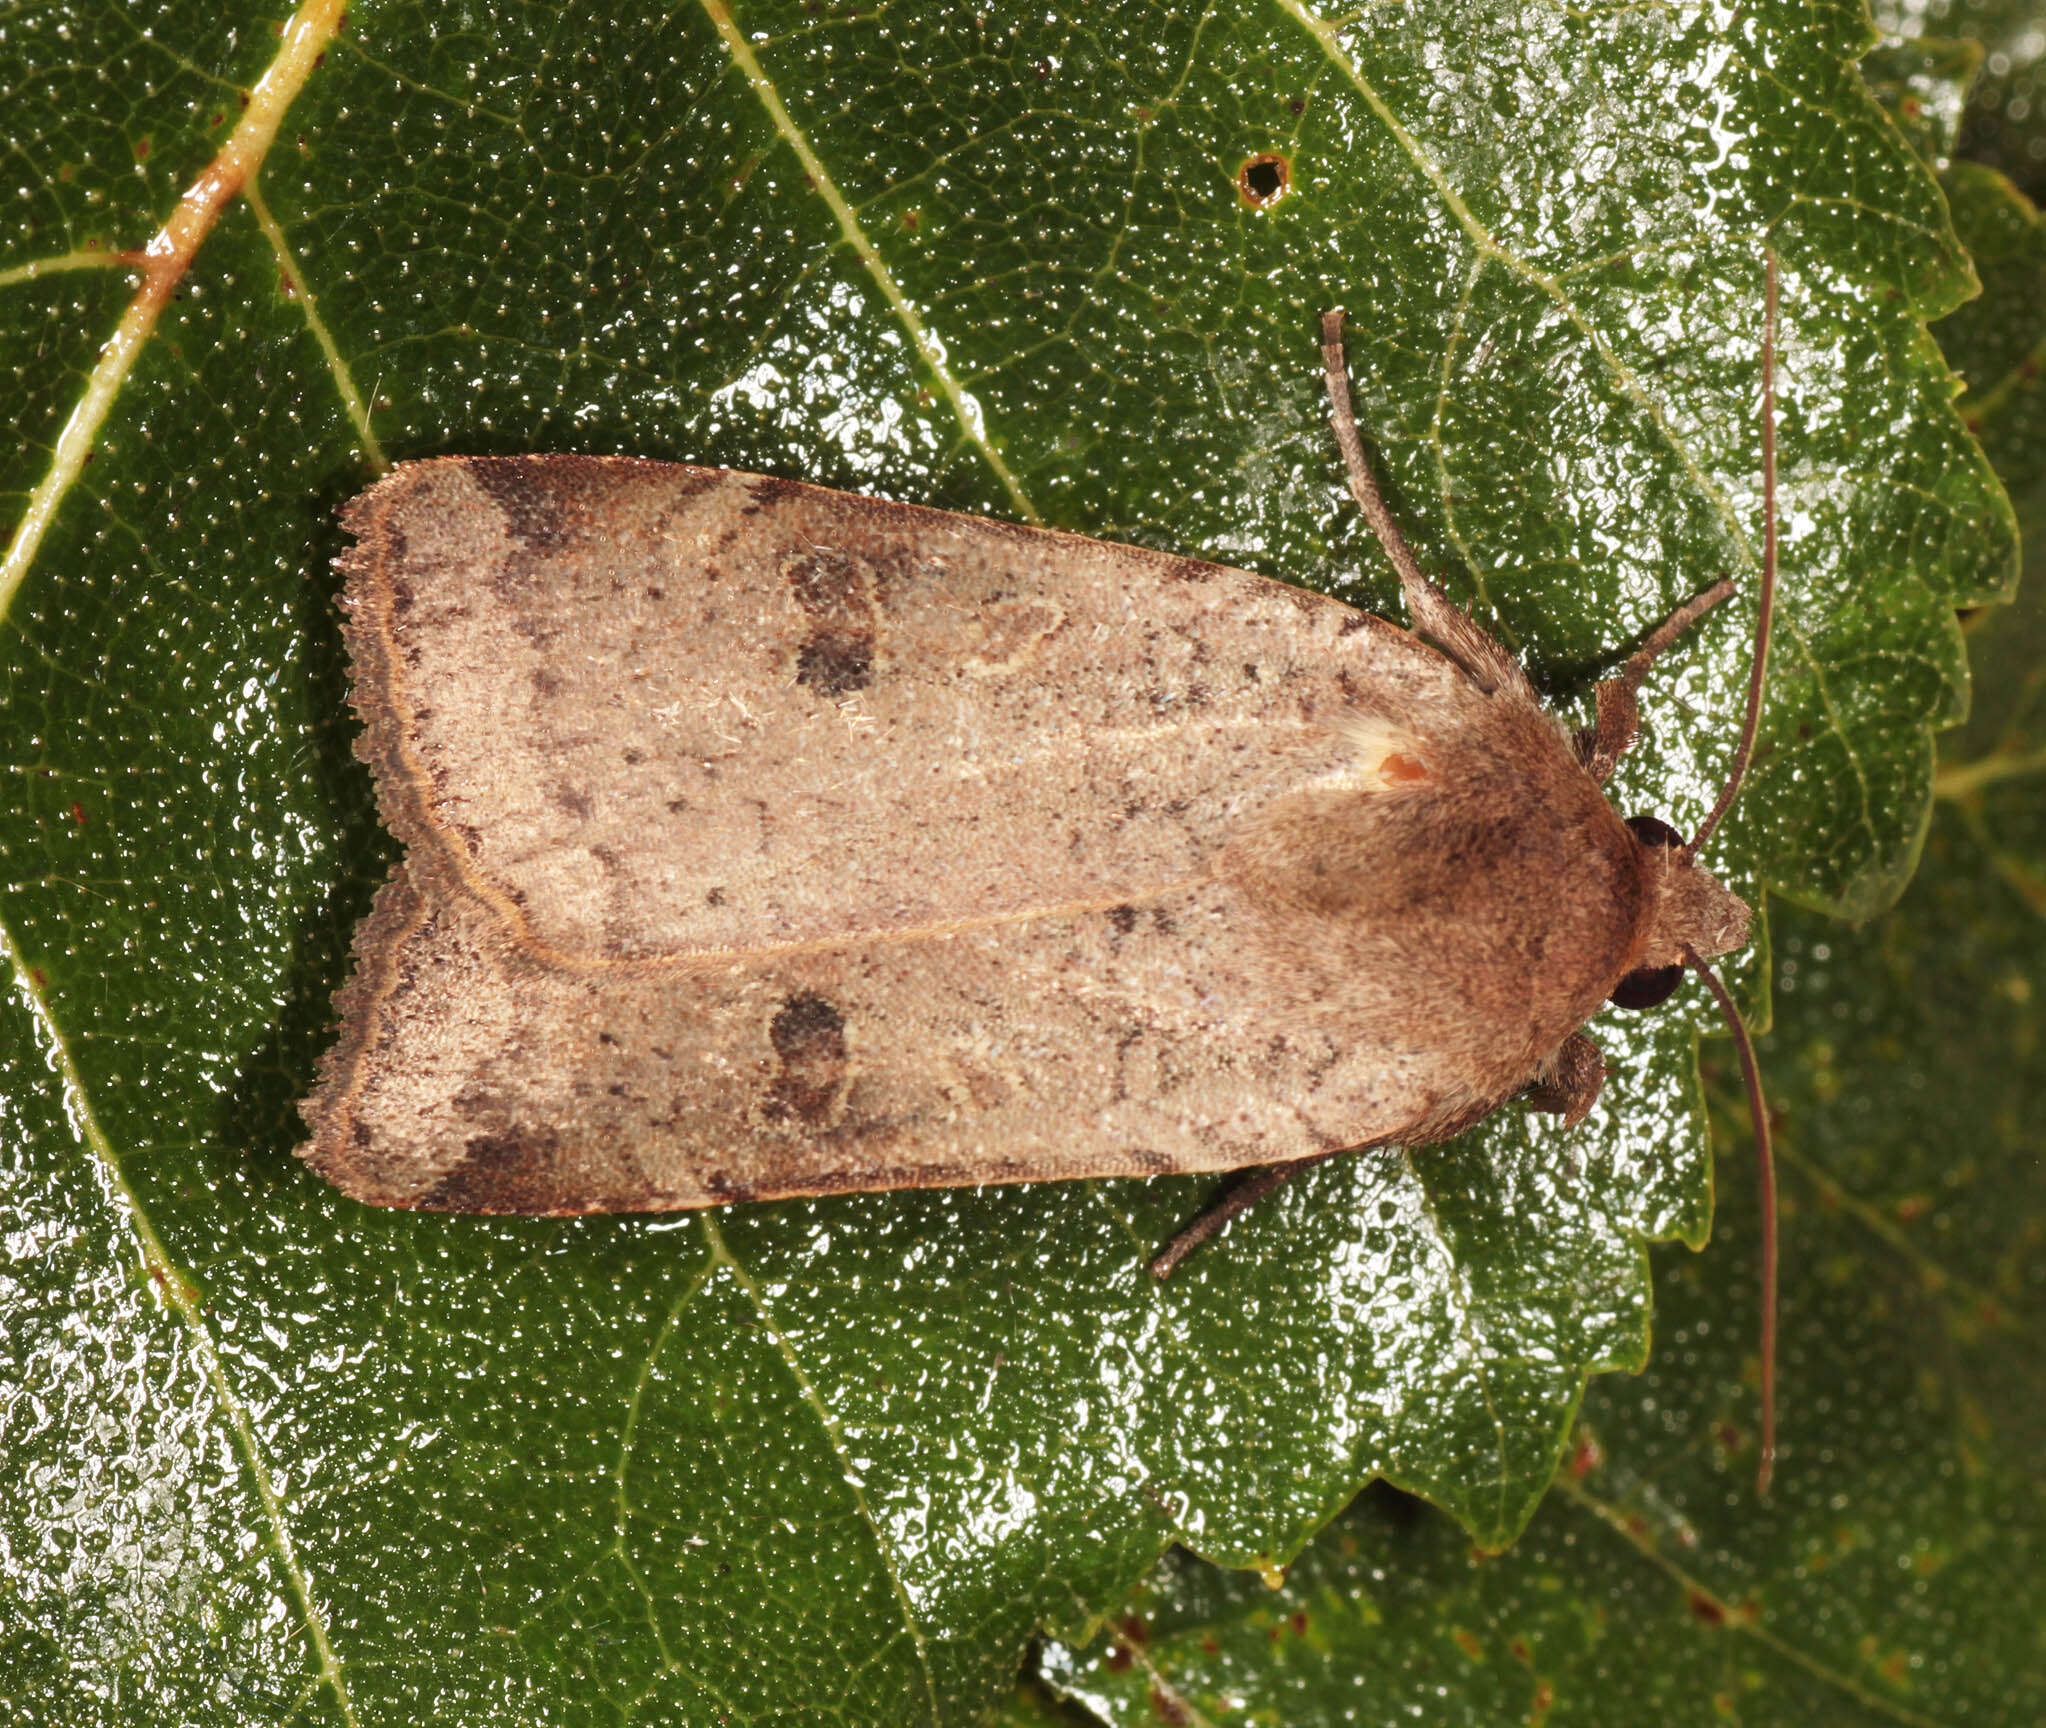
{"points": [[1239, 1199], [1490, 667], [1569, 1086], [1601, 744]]}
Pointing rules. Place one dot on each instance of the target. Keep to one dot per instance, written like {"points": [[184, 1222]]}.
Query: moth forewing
{"points": [[745, 856]]}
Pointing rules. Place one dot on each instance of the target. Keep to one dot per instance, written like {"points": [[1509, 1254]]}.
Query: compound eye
{"points": [[1647, 986], [1654, 831]]}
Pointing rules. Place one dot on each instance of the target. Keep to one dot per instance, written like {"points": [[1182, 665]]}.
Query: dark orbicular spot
{"points": [[808, 1029], [827, 583], [808, 1038], [1124, 918], [836, 593]]}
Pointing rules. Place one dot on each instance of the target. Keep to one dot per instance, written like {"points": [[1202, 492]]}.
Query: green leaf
{"points": [[1990, 767], [1996, 344], [1892, 1575], [2004, 126], [273, 1453], [1922, 83]]}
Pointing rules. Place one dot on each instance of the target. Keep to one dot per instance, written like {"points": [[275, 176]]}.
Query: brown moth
{"points": [[762, 840]]}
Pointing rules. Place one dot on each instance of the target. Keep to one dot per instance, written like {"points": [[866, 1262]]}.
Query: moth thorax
{"points": [[1692, 910]]}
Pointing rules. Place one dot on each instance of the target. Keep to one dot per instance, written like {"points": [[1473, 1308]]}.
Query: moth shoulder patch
{"points": [[1388, 757]]}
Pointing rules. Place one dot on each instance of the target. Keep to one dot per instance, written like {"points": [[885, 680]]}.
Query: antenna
{"points": [[1765, 1156], [1758, 1109], [1746, 747]]}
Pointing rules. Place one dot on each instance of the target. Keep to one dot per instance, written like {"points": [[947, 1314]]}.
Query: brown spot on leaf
{"points": [[1704, 1609], [1168, 1708]]}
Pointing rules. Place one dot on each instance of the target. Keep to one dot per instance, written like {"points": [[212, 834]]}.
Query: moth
{"points": [[762, 840]]}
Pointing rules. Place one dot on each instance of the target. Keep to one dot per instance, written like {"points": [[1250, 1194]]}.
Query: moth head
{"points": [[1693, 911]]}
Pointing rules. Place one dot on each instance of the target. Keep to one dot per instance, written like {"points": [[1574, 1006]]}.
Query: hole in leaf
{"points": [[1264, 180]]}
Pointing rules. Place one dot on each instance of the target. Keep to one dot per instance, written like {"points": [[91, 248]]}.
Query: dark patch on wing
{"points": [[808, 1036], [769, 490], [546, 503], [834, 664], [516, 1169], [836, 592]]}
